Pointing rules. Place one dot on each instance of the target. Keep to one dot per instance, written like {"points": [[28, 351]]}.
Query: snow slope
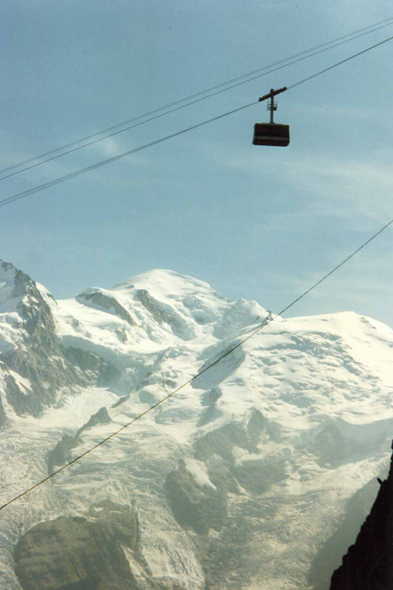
{"points": [[236, 482]]}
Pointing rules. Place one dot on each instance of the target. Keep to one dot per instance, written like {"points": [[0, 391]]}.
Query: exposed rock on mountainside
{"points": [[107, 303], [240, 481], [35, 365], [197, 505], [74, 553], [330, 555], [368, 565]]}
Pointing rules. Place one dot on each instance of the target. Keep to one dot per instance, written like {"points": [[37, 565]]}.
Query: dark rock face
{"points": [[222, 440], [119, 520], [148, 302], [211, 413], [197, 507], [93, 367], [164, 316], [101, 417], [222, 526], [74, 554], [103, 301], [39, 357], [368, 564], [62, 453], [3, 417], [329, 557]]}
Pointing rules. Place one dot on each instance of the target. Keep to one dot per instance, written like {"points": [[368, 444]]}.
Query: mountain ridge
{"points": [[237, 482]]}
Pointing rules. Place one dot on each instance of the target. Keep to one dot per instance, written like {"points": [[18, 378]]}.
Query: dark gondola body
{"points": [[273, 134]]}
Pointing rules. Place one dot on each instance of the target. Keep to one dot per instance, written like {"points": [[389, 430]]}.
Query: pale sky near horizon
{"points": [[258, 223]]}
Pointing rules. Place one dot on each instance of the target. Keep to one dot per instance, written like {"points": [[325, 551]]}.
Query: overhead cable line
{"points": [[265, 323], [51, 183], [321, 49], [114, 158], [343, 61]]}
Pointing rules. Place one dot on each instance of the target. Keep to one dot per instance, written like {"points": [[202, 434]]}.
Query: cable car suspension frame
{"points": [[271, 134]]}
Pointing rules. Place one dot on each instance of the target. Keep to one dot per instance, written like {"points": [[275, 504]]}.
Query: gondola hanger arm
{"points": [[273, 93]]}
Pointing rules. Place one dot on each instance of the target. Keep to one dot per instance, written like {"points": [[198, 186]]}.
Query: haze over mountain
{"points": [[258, 475]]}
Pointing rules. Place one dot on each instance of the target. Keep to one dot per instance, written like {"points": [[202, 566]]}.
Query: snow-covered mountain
{"points": [[258, 475]]}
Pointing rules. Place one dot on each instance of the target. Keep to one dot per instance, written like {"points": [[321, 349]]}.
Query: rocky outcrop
{"points": [[329, 557], [368, 565], [95, 369], [62, 452], [36, 356], [195, 505], [101, 417], [3, 417], [164, 315], [103, 301], [76, 553]]}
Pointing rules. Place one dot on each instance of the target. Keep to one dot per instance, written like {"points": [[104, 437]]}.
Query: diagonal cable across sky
{"points": [[76, 173]]}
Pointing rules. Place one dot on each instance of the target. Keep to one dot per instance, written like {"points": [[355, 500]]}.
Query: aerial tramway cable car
{"points": [[271, 133]]}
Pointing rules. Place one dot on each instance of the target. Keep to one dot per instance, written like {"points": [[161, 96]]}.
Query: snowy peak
{"points": [[174, 299], [235, 482], [162, 283], [19, 293], [7, 283], [154, 310], [14, 286], [171, 302], [25, 310], [34, 365]]}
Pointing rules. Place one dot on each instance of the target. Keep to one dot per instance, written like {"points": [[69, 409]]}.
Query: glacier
{"points": [[258, 474]]}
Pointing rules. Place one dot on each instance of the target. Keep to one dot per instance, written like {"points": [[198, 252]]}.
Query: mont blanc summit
{"points": [[240, 481]]}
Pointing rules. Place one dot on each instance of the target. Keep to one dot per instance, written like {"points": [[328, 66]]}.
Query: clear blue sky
{"points": [[257, 223]]}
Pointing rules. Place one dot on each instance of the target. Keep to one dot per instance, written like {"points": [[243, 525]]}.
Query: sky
{"points": [[254, 222]]}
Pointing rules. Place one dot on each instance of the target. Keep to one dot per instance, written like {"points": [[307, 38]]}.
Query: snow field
{"points": [[300, 418]]}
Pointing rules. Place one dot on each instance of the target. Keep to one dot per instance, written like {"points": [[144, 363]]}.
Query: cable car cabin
{"points": [[271, 134]]}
